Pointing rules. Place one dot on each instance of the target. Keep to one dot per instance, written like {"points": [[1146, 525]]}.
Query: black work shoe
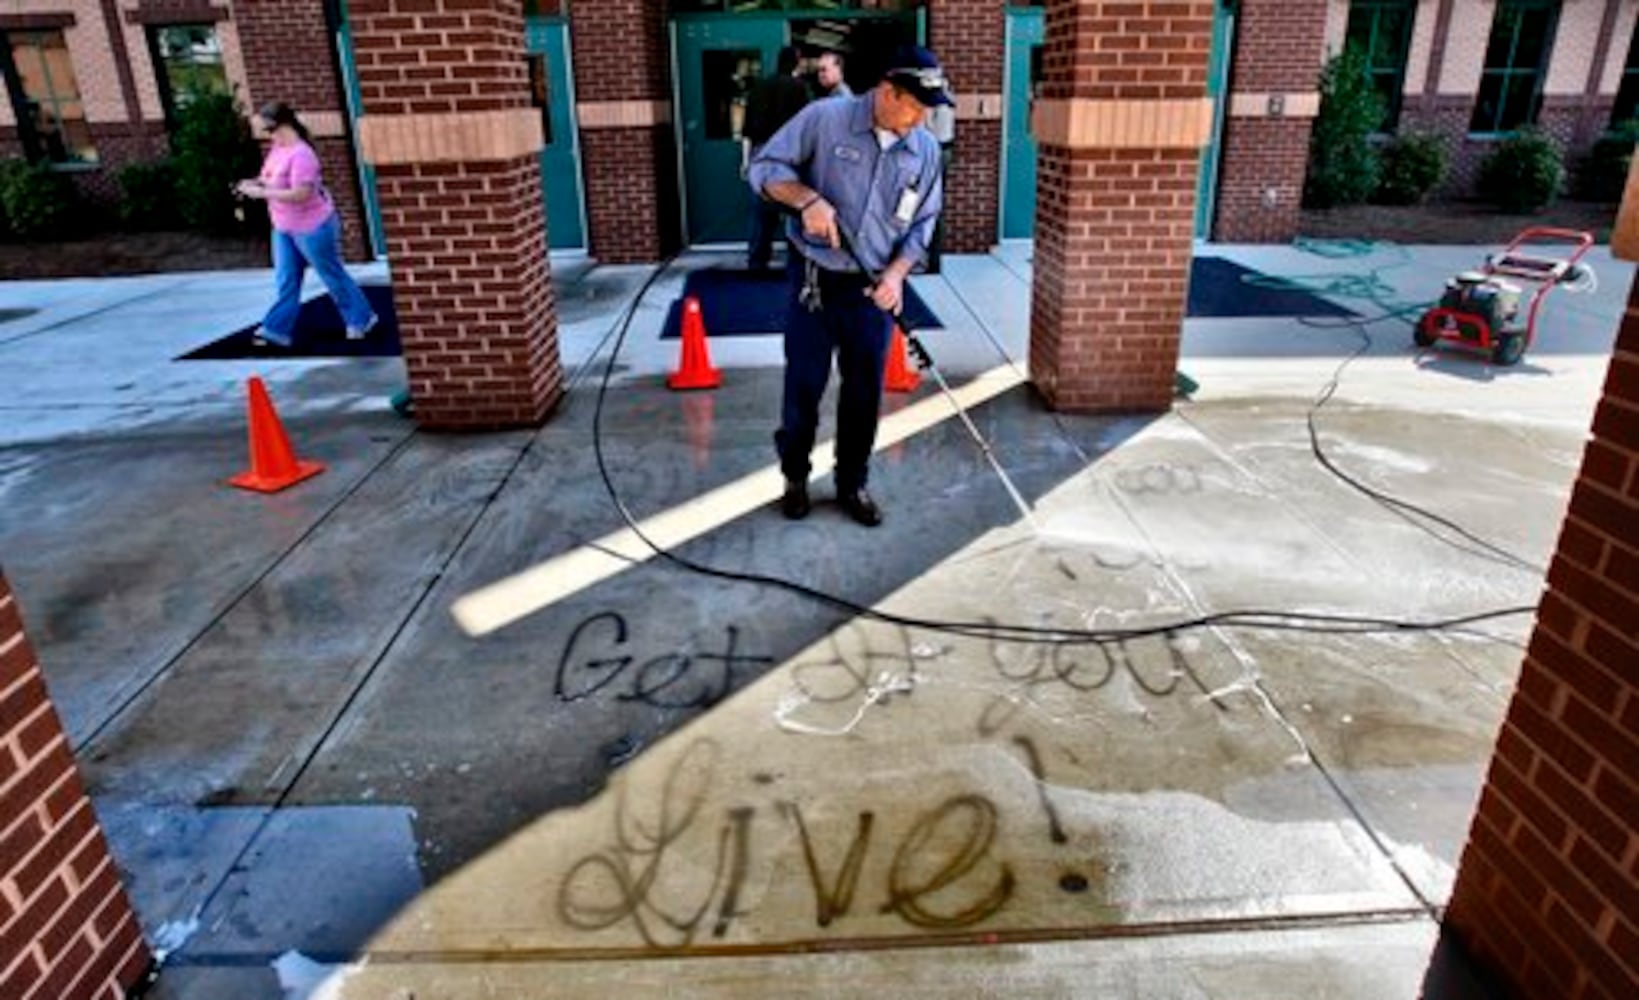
{"points": [[794, 505], [859, 506]]}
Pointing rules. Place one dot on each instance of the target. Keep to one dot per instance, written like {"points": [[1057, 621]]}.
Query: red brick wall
{"points": [[632, 205], [118, 144], [1114, 227], [1447, 116], [1260, 184], [622, 52], [67, 931], [1547, 898], [1113, 238], [972, 187], [289, 57], [1279, 48], [1575, 122], [969, 36], [467, 239], [473, 291]]}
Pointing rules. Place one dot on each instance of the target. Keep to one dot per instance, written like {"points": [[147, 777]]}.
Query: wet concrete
{"points": [[1365, 962], [295, 745]]}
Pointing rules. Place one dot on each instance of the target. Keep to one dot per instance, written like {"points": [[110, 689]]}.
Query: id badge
{"points": [[908, 200]]}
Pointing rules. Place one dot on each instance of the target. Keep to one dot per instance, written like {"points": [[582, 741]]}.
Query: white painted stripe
{"points": [[501, 603]]}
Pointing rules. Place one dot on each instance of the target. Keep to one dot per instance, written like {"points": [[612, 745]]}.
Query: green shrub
{"points": [[1523, 174], [37, 201], [1605, 171], [1412, 166], [212, 147], [148, 195], [1343, 166]]}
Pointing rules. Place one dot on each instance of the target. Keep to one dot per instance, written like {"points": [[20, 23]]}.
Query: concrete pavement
{"points": [[297, 747]]}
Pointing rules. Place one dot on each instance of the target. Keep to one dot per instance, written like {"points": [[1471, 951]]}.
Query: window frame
{"points": [[1540, 71], [1630, 78], [162, 76], [34, 149], [1391, 113]]}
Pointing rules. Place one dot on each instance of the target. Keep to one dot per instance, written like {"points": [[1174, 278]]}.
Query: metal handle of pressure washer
{"points": [[923, 359]]}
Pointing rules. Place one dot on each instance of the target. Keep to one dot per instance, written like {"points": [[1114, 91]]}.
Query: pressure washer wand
{"points": [[924, 360]]}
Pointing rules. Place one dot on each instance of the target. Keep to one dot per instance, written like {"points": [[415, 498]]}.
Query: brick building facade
{"points": [[110, 92], [67, 931], [1547, 898], [1435, 61]]}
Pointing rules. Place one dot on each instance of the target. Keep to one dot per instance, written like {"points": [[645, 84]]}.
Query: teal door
{"points": [[355, 107], [552, 85], [1217, 88], [1026, 33], [717, 61]]}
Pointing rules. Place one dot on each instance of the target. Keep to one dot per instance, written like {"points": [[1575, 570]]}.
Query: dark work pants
{"points": [[766, 223], [852, 328]]}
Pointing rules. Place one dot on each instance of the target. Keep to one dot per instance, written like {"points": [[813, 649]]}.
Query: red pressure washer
{"points": [[1481, 308]]}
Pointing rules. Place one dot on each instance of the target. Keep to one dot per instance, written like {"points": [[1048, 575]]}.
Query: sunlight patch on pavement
{"points": [[506, 601]]}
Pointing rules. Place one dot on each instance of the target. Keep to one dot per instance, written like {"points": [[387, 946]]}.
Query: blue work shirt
{"points": [[831, 146]]}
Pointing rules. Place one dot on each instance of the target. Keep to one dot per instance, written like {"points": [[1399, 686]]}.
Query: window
{"points": [[46, 98], [188, 59], [1381, 30], [1627, 96], [728, 75], [540, 91], [1516, 61]]}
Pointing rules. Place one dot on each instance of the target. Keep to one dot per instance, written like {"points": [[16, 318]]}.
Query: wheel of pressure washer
{"points": [[1509, 349], [1423, 332]]}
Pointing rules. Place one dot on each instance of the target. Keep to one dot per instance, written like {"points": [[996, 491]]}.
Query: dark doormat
{"points": [[1221, 289], [739, 303], [320, 333]]}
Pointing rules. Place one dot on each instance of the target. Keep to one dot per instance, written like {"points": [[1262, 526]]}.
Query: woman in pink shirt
{"points": [[306, 231]]}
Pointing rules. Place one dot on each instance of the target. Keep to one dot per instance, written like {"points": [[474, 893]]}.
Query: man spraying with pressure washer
{"points": [[864, 183]]}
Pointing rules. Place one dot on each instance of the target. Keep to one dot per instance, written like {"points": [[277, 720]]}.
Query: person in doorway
{"points": [[306, 231], [828, 76], [771, 104], [859, 170]]}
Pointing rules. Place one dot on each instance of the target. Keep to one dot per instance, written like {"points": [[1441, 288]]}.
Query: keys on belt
{"points": [[809, 294]]}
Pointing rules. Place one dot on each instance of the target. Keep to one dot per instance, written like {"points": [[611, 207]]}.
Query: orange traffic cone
{"points": [[899, 376], [694, 370], [273, 463]]}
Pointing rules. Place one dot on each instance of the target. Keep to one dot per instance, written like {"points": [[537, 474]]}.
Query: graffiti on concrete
{"points": [[597, 657], [942, 876]]}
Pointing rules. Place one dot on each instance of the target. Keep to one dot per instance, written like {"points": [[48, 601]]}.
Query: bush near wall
{"points": [[37, 202], [148, 195], [1343, 166], [1604, 171], [1412, 166], [212, 148], [1525, 173]]}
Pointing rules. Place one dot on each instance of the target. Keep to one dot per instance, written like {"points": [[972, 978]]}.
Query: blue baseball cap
{"points": [[916, 71]]}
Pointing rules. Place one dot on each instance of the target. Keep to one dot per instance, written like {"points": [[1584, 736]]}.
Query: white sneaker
{"points": [[360, 332], [263, 338]]}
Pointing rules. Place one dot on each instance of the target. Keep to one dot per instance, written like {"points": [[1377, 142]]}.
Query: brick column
{"points": [[289, 56], [1547, 898], [969, 36], [449, 128], [1120, 129], [1273, 100], [628, 150], [67, 931]]}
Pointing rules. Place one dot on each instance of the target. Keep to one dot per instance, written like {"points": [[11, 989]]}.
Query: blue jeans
{"points": [[850, 326], [292, 253]]}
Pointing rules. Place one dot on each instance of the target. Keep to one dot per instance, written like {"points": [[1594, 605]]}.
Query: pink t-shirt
{"points": [[293, 166]]}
